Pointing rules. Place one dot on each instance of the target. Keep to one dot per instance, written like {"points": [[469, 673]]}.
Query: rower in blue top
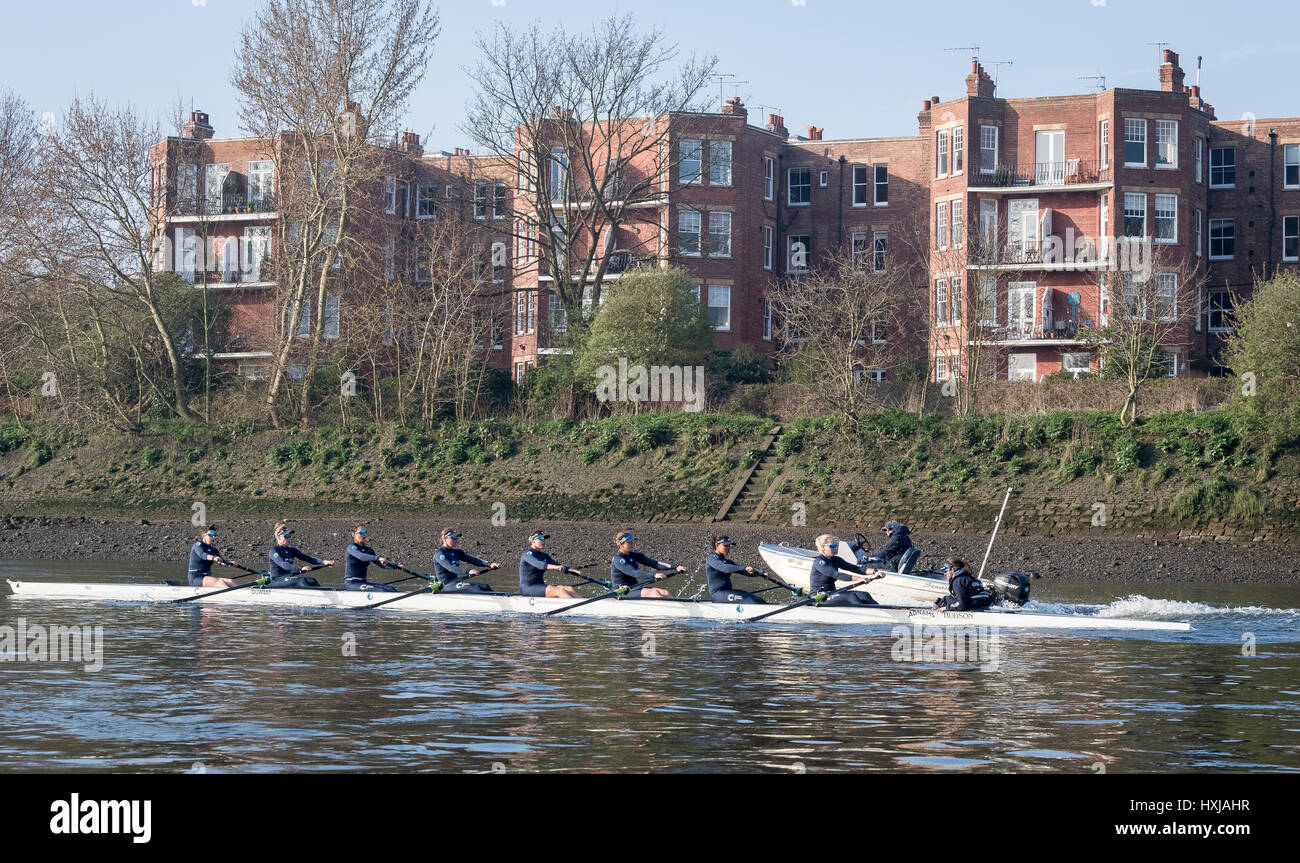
{"points": [[625, 569], [825, 571], [284, 573], [202, 555], [534, 563], [965, 591], [449, 564], [357, 561], [719, 569]]}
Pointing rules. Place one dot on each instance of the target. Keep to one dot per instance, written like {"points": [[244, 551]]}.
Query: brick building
{"points": [[1009, 211]]}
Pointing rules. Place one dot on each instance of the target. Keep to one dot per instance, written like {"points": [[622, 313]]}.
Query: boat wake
{"points": [[1139, 606]]}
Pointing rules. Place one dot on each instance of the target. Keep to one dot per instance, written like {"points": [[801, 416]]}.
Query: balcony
{"points": [[1069, 175], [620, 262], [229, 207], [1035, 255], [219, 279]]}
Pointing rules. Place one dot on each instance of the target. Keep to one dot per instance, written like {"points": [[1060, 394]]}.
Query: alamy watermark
{"points": [[54, 643], [921, 643], [624, 383]]}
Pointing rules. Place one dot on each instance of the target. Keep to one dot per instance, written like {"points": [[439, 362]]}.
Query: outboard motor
{"points": [[1012, 587]]}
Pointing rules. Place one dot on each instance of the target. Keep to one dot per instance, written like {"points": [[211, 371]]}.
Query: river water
{"points": [[230, 689]]}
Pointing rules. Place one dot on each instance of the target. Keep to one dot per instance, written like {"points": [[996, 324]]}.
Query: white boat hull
{"points": [[458, 603], [794, 565]]}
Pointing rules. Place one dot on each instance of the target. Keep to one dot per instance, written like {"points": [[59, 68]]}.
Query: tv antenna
{"points": [[1160, 46], [725, 80], [1098, 79], [974, 49], [997, 65]]}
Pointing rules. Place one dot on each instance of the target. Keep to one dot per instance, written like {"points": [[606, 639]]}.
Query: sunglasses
{"points": [[210, 533], [452, 536], [628, 539], [361, 532], [832, 545], [541, 536], [285, 534]]}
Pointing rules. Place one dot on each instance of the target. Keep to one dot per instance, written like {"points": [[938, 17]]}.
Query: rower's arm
{"points": [[451, 563], [654, 564], [849, 567], [307, 558], [728, 568], [364, 557], [629, 569]]}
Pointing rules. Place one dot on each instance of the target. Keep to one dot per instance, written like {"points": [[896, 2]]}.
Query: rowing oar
{"points": [[797, 591], [432, 587], [815, 598], [413, 574], [265, 578], [620, 591], [600, 581]]}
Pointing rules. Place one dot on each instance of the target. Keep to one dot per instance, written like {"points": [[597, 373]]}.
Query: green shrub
{"points": [[1128, 455], [152, 455]]}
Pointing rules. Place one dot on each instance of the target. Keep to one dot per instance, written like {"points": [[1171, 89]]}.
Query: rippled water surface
{"points": [[248, 689]]}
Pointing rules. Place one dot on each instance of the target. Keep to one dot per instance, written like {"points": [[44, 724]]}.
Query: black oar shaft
{"points": [[816, 598], [616, 591]]}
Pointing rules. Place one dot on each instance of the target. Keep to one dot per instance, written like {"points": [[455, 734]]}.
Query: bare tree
{"points": [[583, 121], [324, 84]]}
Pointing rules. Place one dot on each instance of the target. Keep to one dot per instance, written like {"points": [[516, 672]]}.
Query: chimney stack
{"points": [[925, 106], [1171, 74], [776, 124], [411, 144], [198, 127], [815, 134], [978, 82], [735, 107]]}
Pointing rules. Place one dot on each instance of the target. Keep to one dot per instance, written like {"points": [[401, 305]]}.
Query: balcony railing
{"points": [[620, 262], [225, 277], [228, 204], [1070, 172]]}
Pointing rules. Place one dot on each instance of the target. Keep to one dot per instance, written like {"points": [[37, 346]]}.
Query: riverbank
{"points": [[1113, 558]]}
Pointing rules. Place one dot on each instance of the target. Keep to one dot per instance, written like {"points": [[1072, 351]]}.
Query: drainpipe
{"points": [[839, 231], [779, 230], [1272, 197]]}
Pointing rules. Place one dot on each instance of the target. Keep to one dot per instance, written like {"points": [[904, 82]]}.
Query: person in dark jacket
{"points": [[451, 563], [825, 572], [719, 569], [202, 555], [284, 573], [534, 563], [357, 562], [965, 591], [891, 553], [625, 568]]}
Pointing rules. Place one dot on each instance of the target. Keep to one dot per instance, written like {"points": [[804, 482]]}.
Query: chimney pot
{"points": [[925, 106]]}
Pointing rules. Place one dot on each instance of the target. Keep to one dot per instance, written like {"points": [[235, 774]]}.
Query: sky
{"points": [[857, 69]]}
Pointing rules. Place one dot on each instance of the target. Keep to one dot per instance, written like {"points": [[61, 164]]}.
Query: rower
{"points": [[282, 556], [534, 563], [965, 591], [449, 564], [202, 555], [825, 572], [625, 569], [718, 569], [358, 559]]}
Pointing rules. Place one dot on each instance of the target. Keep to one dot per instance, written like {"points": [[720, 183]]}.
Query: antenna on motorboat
{"points": [[996, 525]]}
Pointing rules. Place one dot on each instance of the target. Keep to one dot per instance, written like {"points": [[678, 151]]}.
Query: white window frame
{"points": [[957, 227], [390, 194], [823, 178], [425, 194], [1294, 235], [941, 302], [1200, 158], [859, 250], [1169, 280], [876, 184], [958, 150], [769, 178], [1291, 158], [941, 154], [789, 257], [1171, 146], [860, 200], [480, 199], [1130, 211], [683, 217], [941, 236], [1199, 233], [332, 317], [1223, 167], [719, 163], [767, 247], [988, 290], [790, 187], [767, 320], [559, 172], [1171, 217], [718, 219], [1231, 237], [725, 292], [1103, 146], [690, 151], [1210, 311], [502, 197], [880, 251], [984, 148], [1132, 125]]}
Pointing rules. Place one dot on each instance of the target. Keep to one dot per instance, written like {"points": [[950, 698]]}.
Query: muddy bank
{"points": [[590, 543]]}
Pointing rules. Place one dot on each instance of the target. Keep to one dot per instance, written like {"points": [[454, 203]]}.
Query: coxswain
{"points": [[534, 563], [718, 569], [625, 568], [450, 563], [202, 555]]}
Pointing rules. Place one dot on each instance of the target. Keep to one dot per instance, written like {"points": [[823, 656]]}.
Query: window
{"points": [[769, 179], [1166, 219], [304, 321], [941, 154], [823, 178], [1103, 221], [988, 149], [988, 301], [767, 247], [860, 185], [878, 247], [941, 225], [955, 301], [958, 233], [559, 172], [1135, 214], [1103, 151], [1291, 238], [1198, 233], [525, 312], [1135, 307], [257, 248], [260, 175], [941, 302], [1167, 296], [860, 252], [882, 185], [498, 261], [1221, 307], [331, 317], [940, 369], [688, 232], [799, 181], [1223, 167], [719, 163], [800, 251], [958, 149], [1076, 362], [446, 191], [720, 306], [480, 200], [499, 208], [390, 193], [767, 320], [187, 186], [559, 318], [1291, 166], [1200, 157], [424, 197], [719, 235], [1166, 143], [214, 181], [1173, 364], [988, 229], [1135, 142], [689, 168], [1223, 235]]}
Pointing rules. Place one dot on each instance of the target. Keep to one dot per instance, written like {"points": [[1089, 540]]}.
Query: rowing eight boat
{"points": [[456, 603]]}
